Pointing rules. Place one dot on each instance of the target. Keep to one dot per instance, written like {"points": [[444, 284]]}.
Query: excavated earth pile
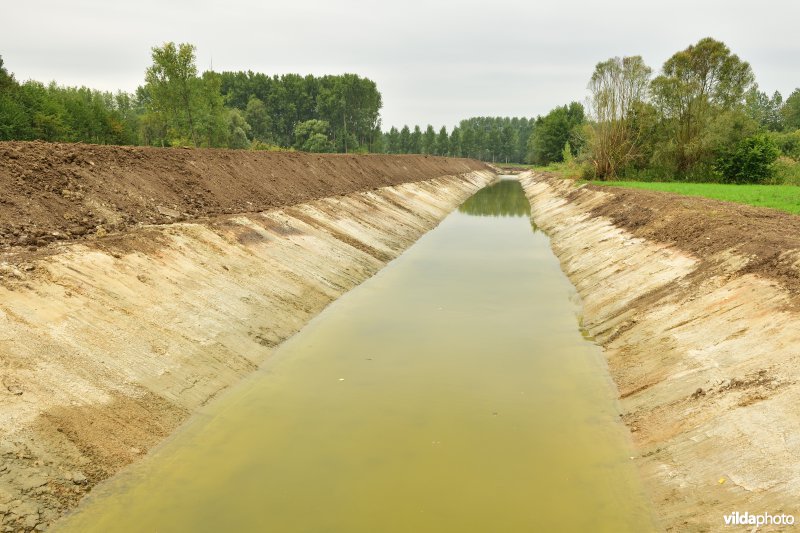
{"points": [[697, 304], [52, 192], [136, 284]]}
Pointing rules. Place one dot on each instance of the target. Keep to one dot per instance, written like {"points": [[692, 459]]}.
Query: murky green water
{"points": [[452, 392]]}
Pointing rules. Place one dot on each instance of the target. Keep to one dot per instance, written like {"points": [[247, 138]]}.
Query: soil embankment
{"points": [[52, 192], [189, 267], [696, 303]]}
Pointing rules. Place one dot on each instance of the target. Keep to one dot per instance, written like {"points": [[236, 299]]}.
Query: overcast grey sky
{"points": [[434, 61]]}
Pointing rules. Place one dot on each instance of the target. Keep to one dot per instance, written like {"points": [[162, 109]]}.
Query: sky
{"points": [[434, 61]]}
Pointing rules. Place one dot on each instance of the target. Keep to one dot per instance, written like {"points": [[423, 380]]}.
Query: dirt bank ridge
{"points": [[136, 284], [51, 192], [695, 303]]}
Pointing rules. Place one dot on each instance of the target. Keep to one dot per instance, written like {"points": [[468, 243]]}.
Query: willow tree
{"points": [[618, 86], [697, 88]]}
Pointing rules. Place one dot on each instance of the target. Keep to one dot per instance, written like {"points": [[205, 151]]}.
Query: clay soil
{"points": [[705, 227], [51, 192]]}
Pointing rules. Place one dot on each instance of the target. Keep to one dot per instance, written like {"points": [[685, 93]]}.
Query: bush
{"points": [[566, 154], [751, 160], [787, 171], [787, 142], [268, 147]]}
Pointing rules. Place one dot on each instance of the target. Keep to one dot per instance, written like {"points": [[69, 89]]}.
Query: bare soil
{"points": [[51, 192], [705, 227], [138, 283], [696, 303]]}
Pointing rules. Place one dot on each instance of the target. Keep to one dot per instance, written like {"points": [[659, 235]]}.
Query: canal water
{"points": [[452, 392]]}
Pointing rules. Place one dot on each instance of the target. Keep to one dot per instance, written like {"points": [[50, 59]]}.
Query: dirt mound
{"points": [[705, 227], [52, 192], [108, 344]]}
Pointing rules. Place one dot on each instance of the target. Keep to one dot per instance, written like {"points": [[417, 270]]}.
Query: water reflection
{"points": [[503, 199]]}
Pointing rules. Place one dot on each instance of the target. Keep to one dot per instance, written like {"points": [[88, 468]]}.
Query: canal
{"points": [[453, 391]]}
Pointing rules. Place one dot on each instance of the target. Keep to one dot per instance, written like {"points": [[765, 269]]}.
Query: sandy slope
{"points": [[111, 337], [696, 304]]}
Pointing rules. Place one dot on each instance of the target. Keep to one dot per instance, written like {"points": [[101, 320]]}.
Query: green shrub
{"points": [[751, 160], [268, 147], [787, 171], [566, 154], [787, 142]]}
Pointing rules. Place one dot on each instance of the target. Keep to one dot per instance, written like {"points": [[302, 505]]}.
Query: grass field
{"points": [[521, 166], [781, 197]]}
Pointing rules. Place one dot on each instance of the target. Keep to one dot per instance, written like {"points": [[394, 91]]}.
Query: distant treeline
{"points": [[290, 110], [32, 110], [177, 106], [702, 118], [487, 138]]}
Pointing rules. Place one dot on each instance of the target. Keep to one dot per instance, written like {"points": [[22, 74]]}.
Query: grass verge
{"points": [[781, 197]]}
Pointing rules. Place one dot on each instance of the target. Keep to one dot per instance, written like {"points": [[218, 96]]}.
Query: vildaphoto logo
{"points": [[764, 519]]}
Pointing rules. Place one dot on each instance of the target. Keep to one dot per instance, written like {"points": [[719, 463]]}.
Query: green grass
{"points": [[780, 197], [521, 166], [565, 170]]}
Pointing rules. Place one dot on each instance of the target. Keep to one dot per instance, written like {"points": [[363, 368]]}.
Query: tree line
{"points": [[497, 139], [701, 118], [178, 106], [324, 114], [33, 110]]}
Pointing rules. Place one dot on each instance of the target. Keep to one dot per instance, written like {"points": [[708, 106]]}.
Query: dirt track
{"points": [[51, 192]]}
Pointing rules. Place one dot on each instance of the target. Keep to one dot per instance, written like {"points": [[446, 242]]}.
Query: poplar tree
{"points": [[415, 146], [405, 140], [443, 142], [173, 89], [429, 141], [455, 142]]}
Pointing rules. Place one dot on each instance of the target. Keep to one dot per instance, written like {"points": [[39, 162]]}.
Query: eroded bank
{"points": [[696, 305], [108, 344]]}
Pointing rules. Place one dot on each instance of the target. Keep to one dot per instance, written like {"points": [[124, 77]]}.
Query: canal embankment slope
{"points": [[136, 284], [696, 303]]}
